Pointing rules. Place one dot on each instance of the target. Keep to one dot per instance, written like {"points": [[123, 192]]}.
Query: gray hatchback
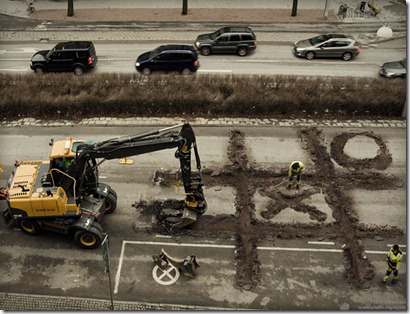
{"points": [[327, 46]]}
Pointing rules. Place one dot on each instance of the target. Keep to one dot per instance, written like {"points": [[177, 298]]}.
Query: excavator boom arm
{"points": [[84, 163]]}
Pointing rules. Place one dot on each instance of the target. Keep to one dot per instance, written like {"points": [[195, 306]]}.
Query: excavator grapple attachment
{"points": [[188, 266]]}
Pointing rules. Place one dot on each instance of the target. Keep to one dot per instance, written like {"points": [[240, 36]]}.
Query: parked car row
{"points": [[80, 56]]}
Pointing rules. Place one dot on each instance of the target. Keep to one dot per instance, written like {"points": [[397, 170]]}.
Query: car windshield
{"points": [[216, 34], [50, 53], [318, 39], [154, 53]]}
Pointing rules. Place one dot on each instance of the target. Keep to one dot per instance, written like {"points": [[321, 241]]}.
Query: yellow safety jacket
{"points": [[297, 170], [394, 259]]}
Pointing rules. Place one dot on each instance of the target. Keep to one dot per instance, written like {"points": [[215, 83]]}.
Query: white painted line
{"points": [[183, 244], [286, 62], [163, 236], [299, 249], [218, 71], [318, 242], [159, 274], [380, 252], [15, 70], [400, 245], [14, 59], [117, 276]]}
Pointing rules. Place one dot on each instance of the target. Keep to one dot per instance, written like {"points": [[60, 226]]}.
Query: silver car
{"points": [[394, 69], [327, 46]]}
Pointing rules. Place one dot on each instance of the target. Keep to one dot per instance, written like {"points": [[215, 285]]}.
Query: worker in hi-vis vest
{"points": [[295, 169]]}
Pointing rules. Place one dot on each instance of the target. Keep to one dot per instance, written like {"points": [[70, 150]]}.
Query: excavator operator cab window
{"points": [[62, 163]]}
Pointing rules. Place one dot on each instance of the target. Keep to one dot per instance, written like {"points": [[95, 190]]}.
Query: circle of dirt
{"points": [[380, 162]]}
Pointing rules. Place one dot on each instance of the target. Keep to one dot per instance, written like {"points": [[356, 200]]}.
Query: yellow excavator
{"points": [[64, 193]]}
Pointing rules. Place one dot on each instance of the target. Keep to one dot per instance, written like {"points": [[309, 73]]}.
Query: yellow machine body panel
{"points": [[63, 148], [37, 201], [52, 203]]}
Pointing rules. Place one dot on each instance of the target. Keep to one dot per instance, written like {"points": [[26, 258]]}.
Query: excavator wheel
{"points": [[30, 227], [88, 239], [97, 225], [110, 202]]}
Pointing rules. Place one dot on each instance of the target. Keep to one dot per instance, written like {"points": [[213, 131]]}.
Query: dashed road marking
{"points": [[318, 242]]}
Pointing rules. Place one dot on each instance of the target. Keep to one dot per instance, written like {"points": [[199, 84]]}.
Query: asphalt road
{"points": [[296, 273], [268, 59]]}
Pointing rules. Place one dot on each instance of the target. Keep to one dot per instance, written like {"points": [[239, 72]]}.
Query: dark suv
{"points": [[238, 39], [169, 58], [76, 56]]}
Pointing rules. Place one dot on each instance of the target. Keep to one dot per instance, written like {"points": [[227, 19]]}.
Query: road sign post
{"points": [[184, 7], [70, 8], [294, 7], [106, 259]]}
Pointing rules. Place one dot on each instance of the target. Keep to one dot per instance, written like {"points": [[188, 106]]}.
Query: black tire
{"points": [[146, 71], [97, 225], [110, 203], [242, 51], [39, 70], [206, 51], [347, 56], [113, 193], [28, 226], [310, 55], [78, 70], [88, 239]]}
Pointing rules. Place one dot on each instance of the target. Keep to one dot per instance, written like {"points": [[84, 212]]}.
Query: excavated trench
{"points": [[249, 231]]}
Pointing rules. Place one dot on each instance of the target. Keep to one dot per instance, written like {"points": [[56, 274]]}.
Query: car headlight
{"points": [[197, 44], [137, 64]]}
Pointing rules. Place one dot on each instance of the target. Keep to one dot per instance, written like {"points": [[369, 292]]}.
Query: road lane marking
{"points": [[218, 71], [286, 62], [318, 242], [400, 245], [15, 70]]}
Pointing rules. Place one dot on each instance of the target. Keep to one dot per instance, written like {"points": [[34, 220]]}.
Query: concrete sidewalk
{"points": [[161, 20], [390, 11]]}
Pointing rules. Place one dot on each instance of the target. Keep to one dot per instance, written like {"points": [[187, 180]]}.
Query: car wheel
{"points": [[347, 56], [206, 51], [78, 70], [110, 203], [39, 70], [242, 51], [186, 71], [88, 239], [30, 227], [146, 71], [310, 55]]}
